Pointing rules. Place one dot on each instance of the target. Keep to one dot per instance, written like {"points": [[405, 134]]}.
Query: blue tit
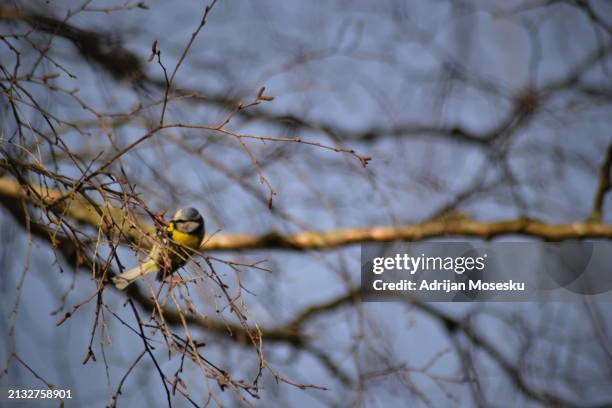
{"points": [[185, 230]]}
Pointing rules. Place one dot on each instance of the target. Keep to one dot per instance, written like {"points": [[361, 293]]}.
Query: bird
{"points": [[185, 231]]}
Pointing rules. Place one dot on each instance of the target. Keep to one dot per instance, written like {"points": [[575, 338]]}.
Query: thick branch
{"points": [[94, 46], [82, 211], [317, 240]]}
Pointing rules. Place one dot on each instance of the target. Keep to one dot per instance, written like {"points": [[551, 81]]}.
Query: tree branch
{"points": [[122, 63], [83, 212], [605, 184]]}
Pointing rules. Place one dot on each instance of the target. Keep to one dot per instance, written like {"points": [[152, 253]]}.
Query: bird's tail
{"points": [[124, 279]]}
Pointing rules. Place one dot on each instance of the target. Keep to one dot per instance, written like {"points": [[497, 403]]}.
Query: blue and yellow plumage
{"points": [[186, 231]]}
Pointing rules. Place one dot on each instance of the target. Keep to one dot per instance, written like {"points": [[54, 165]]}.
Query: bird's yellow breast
{"points": [[189, 240]]}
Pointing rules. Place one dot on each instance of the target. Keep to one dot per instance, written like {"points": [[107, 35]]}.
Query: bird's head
{"points": [[188, 220]]}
